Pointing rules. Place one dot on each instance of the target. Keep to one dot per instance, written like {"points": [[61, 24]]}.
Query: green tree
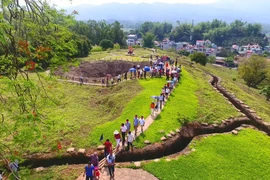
{"points": [[30, 39], [106, 44], [148, 40], [253, 70], [199, 57]]}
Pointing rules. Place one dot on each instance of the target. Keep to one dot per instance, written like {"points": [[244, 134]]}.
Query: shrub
{"points": [[184, 53], [200, 58], [106, 44], [96, 49], [116, 46]]}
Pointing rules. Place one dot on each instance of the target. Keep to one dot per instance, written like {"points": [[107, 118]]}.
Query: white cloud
{"points": [[64, 3]]}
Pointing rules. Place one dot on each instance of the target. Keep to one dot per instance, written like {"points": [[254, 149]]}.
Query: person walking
{"points": [[142, 122], [130, 139], [119, 78], [136, 124], [108, 147], [111, 163], [127, 124], [117, 138], [94, 159], [123, 130], [152, 107], [89, 171], [125, 76], [161, 99], [81, 80]]}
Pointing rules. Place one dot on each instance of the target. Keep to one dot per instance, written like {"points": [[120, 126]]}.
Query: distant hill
{"points": [[248, 10]]}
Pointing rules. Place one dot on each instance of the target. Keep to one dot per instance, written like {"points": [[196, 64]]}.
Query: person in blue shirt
{"points": [[136, 124], [89, 171]]}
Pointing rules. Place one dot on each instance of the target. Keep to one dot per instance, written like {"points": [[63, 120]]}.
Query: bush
{"points": [[116, 46], [96, 49], [184, 53], [211, 59], [106, 44], [199, 57]]}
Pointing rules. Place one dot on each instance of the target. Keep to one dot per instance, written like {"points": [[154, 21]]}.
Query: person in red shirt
{"points": [[117, 138], [152, 106], [108, 147]]}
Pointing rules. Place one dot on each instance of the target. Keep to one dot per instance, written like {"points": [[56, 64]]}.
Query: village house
{"points": [[132, 39]]}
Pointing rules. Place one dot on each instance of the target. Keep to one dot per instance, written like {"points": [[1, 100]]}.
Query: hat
{"points": [[116, 132]]}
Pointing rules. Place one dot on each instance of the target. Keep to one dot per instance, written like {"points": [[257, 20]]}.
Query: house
{"points": [[166, 44], [200, 43], [132, 40]]}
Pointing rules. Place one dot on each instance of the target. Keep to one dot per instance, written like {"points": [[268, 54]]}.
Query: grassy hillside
{"points": [[194, 100], [233, 83], [245, 156]]}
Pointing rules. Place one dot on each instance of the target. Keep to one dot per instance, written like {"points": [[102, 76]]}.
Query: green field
{"points": [[222, 157]]}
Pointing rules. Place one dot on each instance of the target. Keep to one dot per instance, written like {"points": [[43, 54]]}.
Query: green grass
{"points": [[222, 157], [141, 54], [212, 105], [182, 102], [140, 106], [250, 96], [65, 172], [194, 100], [78, 110]]}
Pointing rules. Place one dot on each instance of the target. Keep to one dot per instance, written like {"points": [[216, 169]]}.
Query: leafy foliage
{"points": [[184, 53], [33, 37], [199, 57], [221, 33], [266, 91], [106, 44], [148, 40], [253, 70], [99, 30]]}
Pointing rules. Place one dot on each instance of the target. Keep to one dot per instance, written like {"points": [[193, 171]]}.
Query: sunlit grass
{"points": [[245, 156]]}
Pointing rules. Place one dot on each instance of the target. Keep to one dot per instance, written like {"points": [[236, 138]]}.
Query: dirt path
{"points": [[125, 174]]}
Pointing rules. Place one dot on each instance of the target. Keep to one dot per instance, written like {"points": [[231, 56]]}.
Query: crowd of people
{"points": [[156, 68], [124, 138]]}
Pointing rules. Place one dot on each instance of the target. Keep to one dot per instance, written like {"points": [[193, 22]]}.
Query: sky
{"points": [[68, 3]]}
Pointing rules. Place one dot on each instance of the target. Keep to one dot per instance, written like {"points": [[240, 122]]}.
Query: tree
{"points": [[32, 36], [106, 44], [253, 70], [148, 40], [199, 57]]}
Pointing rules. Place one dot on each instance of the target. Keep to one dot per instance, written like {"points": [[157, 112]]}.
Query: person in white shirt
{"points": [[119, 78], [130, 139], [142, 122], [123, 130], [167, 92]]}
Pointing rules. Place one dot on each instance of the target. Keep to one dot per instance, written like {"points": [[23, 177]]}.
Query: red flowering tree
{"points": [[32, 38]]}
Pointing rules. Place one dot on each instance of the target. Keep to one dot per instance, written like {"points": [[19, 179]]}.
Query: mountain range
{"points": [[229, 10]]}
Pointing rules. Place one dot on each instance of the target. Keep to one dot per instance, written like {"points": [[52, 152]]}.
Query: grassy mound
{"points": [[140, 105], [245, 156]]}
